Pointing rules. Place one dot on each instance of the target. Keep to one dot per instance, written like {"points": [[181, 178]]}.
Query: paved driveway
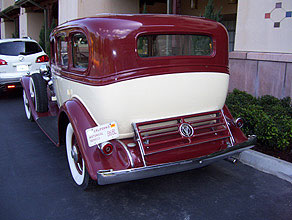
{"points": [[35, 184]]}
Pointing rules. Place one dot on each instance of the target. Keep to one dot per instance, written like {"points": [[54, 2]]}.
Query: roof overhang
{"points": [[29, 4], [10, 12]]}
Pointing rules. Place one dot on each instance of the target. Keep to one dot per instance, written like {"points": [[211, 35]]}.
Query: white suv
{"points": [[17, 58]]}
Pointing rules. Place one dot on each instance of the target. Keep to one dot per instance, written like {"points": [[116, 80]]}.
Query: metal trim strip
{"points": [[109, 177]]}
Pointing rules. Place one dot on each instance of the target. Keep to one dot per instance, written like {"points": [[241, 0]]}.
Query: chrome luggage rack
{"points": [[168, 134]]}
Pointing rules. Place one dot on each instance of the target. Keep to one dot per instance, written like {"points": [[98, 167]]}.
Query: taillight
{"points": [[3, 62], [11, 87], [41, 59], [239, 122], [106, 148]]}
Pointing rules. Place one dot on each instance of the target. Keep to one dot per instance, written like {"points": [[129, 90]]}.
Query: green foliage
{"points": [[267, 117], [45, 40], [15, 34], [211, 13]]}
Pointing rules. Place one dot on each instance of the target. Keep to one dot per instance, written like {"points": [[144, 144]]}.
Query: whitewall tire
{"points": [[26, 107], [75, 160]]}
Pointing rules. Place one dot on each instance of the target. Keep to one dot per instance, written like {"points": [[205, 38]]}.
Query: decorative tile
{"points": [[268, 15], [279, 5], [278, 14], [276, 24]]}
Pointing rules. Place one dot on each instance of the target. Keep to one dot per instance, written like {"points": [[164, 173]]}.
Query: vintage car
{"points": [[136, 96]]}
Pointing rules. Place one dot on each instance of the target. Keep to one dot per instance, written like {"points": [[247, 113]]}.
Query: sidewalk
{"points": [[267, 164]]}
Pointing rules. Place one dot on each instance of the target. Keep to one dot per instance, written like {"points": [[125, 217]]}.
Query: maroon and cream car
{"points": [[136, 96]]}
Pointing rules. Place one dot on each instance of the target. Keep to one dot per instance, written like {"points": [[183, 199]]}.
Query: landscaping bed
{"points": [[269, 118], [284, 155]]}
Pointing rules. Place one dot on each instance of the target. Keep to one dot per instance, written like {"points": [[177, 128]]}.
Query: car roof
{"points": [[16, 39], [132, 22], [112, 40]]}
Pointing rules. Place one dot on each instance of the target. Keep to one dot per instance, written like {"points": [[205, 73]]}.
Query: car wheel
{"points": [[38, 92], [75, 160], [26, 107]]}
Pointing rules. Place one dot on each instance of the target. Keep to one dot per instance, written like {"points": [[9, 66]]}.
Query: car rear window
{"points": [[16, 48], [174, 45]]}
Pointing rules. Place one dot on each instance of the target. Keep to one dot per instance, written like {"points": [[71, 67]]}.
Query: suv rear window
{"points": [[16, 48], [174, 45]]}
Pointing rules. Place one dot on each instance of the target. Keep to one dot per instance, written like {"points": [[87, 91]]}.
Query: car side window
{"points": [[62, 51], [80, 51]]}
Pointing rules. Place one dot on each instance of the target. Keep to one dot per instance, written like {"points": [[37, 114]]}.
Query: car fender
{"points": [[95, 161]]}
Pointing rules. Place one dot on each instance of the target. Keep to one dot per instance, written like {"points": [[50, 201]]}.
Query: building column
{"points": [[7, 29], [30, 24]]}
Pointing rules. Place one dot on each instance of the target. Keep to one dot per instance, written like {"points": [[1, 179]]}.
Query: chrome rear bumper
{"points": [[109, 177]]}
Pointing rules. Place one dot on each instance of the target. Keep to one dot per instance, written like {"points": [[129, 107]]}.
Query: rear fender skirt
{"points": [[94, 159]]}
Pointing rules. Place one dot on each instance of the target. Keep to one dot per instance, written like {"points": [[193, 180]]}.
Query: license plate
{"points": [[22, 68], [102, 133]]}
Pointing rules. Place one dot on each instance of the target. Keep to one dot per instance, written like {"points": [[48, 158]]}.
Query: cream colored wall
{"points": [[30, 24], [72, 9], [255, 33], [7, 29], [35, 22], [7, 3], [68, 10], [93, 7]]}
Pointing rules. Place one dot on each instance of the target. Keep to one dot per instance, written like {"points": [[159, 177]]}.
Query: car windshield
{"points": [[16, 48]]}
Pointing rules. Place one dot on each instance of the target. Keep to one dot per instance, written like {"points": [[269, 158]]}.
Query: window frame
{"points": [[150, 47], [58, 61], [71, 47]]}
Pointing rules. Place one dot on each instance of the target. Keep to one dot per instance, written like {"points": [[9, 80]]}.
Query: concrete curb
{"points": [[267, 164]]}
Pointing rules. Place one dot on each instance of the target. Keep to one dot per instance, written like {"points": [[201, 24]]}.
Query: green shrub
{"points": [[45, 39], [267, 117]]}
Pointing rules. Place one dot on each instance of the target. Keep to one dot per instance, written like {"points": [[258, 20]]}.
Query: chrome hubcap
{"points": [[74, 154]]}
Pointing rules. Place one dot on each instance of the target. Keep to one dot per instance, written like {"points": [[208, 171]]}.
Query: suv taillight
{"points": [[2, 62], [41, 59]]}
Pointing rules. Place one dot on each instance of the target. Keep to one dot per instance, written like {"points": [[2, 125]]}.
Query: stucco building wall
{"points": [[35, 22], [7, 29], [72, 9], [264, 26], [262, 61], [93, 7], [68, 10], [30, 24], [7, 3]]}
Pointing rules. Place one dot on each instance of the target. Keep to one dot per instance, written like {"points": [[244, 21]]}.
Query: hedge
{"points": [[267, 117]]}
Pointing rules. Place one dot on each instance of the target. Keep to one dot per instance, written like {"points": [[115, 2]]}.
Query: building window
{"points": [[80, 51], [230, 26], [174, 45], [62, 51]]}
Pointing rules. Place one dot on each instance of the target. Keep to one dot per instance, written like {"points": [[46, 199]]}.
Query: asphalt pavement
{"points": [[35, 184]]}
